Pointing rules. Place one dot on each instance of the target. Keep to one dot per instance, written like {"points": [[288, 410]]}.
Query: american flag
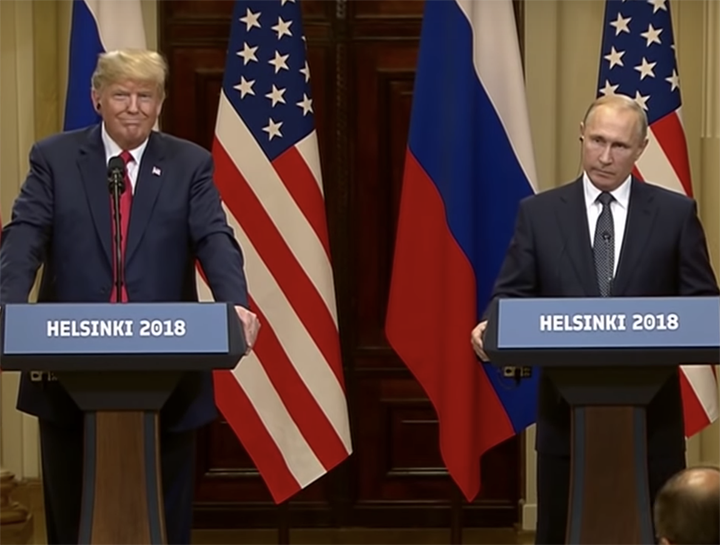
{"points": [[286, 400], [638, 60]]}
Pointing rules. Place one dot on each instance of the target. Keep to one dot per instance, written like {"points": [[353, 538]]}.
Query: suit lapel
{"points": [[149, 181], [574, 228], [641, 215], [93, 170]]}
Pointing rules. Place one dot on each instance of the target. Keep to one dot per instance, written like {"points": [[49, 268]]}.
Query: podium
{"points": [[608, 357], [120, 363]]}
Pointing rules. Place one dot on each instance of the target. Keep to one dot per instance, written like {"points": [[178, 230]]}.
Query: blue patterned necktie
{"points": [[604, 245]]}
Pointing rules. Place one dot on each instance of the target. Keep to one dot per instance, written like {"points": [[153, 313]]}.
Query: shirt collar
{"points": [[112, 149], [621, 193]]}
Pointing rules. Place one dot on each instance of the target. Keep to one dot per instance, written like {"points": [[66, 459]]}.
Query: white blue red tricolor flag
{"points": [[469, 162], [286, 400], [638, 60], [97, 26]]}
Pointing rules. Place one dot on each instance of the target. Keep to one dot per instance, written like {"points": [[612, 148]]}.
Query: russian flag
{"points": [[97, 26], [469, 162]]}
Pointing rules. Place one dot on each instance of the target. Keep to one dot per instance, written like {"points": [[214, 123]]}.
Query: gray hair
{"points": [[621, 102]]}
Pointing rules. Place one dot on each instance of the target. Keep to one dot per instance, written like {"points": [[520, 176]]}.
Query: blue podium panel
{"points": [[132, 336], [604, 331]]}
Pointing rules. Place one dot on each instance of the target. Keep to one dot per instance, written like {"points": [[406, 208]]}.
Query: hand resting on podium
{"points": [[251, 326], [476, 339]]}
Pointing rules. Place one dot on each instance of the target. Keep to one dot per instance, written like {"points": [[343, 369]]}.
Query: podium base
{"points": [[122, 487], [609, 491]]}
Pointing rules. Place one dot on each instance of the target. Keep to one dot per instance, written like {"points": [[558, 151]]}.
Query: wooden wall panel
{"points": [[362, 56]]}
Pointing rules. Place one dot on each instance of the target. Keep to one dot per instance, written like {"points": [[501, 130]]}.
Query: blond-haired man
{"points": [[62, 219]]}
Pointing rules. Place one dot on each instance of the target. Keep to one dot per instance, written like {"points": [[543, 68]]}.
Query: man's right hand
{"points": [[477, 340], [251, 326]]}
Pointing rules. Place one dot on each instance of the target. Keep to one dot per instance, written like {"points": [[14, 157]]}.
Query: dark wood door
{"points": [[362, 57]]}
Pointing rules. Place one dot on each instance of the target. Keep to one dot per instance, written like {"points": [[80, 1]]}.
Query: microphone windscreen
{"points": [[116, 163]]}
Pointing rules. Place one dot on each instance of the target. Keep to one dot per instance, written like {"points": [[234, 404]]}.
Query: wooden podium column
{"points": [[122, 489], [609, 500]]}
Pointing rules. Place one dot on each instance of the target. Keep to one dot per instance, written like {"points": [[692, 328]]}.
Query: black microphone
{"points": [[116, 185]]}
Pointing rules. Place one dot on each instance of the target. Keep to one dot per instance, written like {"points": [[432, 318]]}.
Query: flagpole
{"points": [[283, 523], [456, 514]]}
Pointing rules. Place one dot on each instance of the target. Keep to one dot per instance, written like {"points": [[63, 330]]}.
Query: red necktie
{"points": [[125, 204]]}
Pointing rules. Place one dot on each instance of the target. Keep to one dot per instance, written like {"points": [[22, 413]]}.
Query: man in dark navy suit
{"points": [[62, 219], [605, 234]]}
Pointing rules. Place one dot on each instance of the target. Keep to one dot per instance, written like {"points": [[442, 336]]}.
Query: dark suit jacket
{"points": [[62, 219], [663, 253]]}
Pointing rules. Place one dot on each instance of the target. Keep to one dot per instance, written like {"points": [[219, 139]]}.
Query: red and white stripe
{"points": [[665, 163], [286, 400]]}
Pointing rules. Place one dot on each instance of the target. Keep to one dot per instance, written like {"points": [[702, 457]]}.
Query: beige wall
{"points": [[562, 44], [34, 39]]}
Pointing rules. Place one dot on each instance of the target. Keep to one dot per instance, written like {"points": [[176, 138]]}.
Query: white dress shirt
{"points": [[112, 150], [618, 207]]}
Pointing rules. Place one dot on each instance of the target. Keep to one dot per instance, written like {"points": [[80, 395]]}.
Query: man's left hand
{"points": [[251, 326]]}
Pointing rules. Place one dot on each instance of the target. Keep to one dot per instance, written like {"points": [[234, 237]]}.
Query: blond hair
{"points": [[134, 64], [623, 102]]}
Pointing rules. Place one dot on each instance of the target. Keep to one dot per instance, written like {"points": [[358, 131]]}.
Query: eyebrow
{"points": [[600, 136]]}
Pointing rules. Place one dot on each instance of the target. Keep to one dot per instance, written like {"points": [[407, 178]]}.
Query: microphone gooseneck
{"points": [[116, 185]]}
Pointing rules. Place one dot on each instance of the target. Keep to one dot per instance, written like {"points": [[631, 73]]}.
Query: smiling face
{"points": [[612, 141], [129, 109]]}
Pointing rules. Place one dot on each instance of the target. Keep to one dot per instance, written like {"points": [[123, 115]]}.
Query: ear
{"points": [[582, 131], [642, 148], [664, 541], [95, 97]]}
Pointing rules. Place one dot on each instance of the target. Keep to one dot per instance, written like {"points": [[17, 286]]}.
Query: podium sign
{"points": [[120, 363], [637, 331], [125, 337], [136, 328]]}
